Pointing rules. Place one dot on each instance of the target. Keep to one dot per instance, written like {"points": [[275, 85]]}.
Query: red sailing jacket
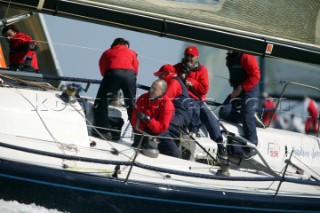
{"points": [[160, 111], [19, 50], [199, 79], [250, 65], [118, 57], [174, 87], [268, 104]]}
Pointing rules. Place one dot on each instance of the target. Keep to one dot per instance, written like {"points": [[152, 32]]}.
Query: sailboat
{"points": [[49, 156]]}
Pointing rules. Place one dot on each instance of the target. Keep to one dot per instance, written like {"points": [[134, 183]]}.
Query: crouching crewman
{"points": [[152, 115]]}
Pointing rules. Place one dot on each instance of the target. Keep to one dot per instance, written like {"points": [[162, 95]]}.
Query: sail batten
{"points": [[139, 16]]}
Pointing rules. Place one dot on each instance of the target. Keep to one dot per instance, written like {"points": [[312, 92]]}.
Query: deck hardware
{"points": [[116, 171], [134, 158], [284, 173], [115, 151]]}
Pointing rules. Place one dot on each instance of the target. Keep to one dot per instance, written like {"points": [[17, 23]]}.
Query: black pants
{"points": [[167, 146], [22, 67], [113, 81], [202, 115], [247, 103]]}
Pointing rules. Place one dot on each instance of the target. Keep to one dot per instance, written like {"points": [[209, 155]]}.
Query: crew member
{"points": [[312, 109], [152, 115], [119, 69], [195, 77], [244, 75], [22, 55]]}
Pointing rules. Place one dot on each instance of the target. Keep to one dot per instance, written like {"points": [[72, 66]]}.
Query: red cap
{"points": [[192, 50], [165, 68]]}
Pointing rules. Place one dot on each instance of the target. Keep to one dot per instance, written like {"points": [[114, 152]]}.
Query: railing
{"points": [[282, 93], [40, 77]]}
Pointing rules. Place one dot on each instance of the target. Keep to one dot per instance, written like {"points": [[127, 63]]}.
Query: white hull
{"points": [[64, 133]]}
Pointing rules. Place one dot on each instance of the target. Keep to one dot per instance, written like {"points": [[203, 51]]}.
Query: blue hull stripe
{"points": [[149, 198]]}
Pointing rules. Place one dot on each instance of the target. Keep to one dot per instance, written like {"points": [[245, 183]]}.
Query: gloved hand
{"points": [[185, 68], [236, 92], [189, 83], [183, 76], [142, 116]]}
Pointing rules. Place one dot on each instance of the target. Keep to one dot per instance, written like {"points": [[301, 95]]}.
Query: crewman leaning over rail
{"points": [[152, 115], [22, 55]]}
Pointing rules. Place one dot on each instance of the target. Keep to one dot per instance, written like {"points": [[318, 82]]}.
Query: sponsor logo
{"points": [[273, 150], [269, 48]]}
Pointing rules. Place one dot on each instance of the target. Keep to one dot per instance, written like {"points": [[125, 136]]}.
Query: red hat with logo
{"points": [[192, 50], [165, 68]]}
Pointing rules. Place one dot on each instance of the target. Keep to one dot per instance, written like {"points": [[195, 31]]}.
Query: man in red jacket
{"points": [[152, 115], [119, 68], [22, 54], [244, 75], [312, 109], [195, 77]]}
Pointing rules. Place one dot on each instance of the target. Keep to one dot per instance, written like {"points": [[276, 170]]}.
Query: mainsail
{"points": [[272, 28]]}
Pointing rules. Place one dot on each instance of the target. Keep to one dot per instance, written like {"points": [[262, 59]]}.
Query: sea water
{"points": [[15, 207]]}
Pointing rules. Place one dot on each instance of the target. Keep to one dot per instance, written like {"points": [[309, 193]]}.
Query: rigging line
{"points": [[49, 142], [37, 140], [274, 181], [306, 165], [95, 127], [72, 45], [61, 44], [37, 84], [85, 119], [105, 150], [133, 133], [153, 59], [44, 124], [90, 124], [5, 15], [219, 76], [91, 48]]}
